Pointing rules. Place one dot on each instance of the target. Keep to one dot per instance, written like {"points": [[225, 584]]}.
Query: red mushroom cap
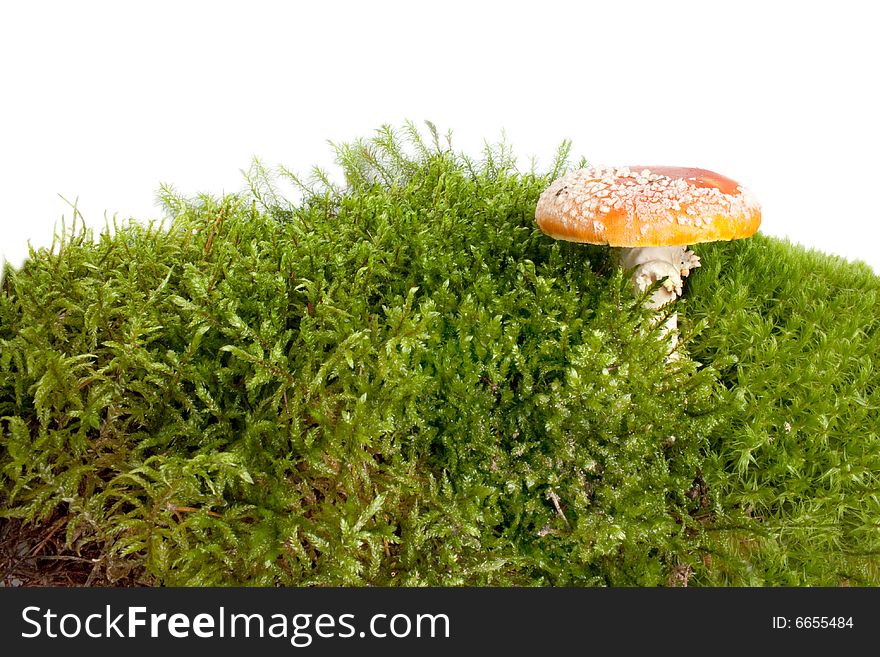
{"points": [[646, 206]]}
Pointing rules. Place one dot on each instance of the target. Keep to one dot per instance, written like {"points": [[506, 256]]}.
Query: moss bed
{"points": [[401, 381]]}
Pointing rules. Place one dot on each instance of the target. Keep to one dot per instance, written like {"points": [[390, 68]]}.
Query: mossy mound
{"points": [[795, 336], [404, 382]]}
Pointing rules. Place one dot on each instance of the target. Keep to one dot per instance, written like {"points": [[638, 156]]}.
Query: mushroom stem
{"points": [[650, 264]]}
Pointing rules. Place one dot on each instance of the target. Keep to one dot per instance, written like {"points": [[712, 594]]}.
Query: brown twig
{"points": [[58, 524], [553, 497], [192, 509]]}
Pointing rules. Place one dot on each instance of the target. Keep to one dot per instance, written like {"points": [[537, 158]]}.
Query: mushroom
{"points": [[649, 215]]}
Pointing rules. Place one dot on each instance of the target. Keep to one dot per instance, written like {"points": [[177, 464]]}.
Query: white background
{"points": [[103, 101]]}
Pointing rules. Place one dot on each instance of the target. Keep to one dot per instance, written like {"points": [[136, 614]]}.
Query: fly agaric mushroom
{"points": [[650, 214]]}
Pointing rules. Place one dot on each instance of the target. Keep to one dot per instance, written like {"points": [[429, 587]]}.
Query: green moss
{"points": [[795, 335], [404, 382]]}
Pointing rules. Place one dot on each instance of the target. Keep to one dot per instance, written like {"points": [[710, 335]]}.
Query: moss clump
{"points": [[795, 335], [403, 382]]}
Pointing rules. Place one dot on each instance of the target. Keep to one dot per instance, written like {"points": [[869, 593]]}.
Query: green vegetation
{"points": [[404, 382]]}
